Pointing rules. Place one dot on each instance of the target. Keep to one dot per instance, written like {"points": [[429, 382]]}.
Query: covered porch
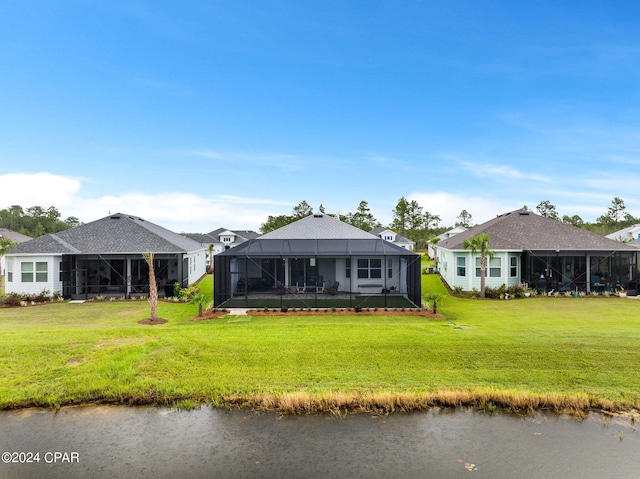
{"points": [[586, 271], [88, 276], [317, 281]]}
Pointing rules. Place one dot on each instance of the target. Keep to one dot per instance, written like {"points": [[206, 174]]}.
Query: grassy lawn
{"points": [[535, 352]]}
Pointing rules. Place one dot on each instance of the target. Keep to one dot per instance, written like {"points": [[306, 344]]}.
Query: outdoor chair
{"points": [[301, 285], [320, 285]]}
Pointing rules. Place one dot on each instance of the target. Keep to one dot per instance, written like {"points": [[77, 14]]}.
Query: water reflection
{"points": [[159, 443]]}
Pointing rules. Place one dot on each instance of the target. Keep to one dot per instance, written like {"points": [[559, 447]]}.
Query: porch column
{"points": [[128, 277], [588, 278], [287, 278]]}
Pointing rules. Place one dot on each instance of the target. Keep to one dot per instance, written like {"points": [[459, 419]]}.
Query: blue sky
{"points": [[197, 115]]}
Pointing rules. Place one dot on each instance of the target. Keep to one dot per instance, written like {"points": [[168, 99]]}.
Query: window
{"points": [[26, 270], [389, 267], [461, 262], [494, 268], [513, 271], [369, 268], [348, 268], [42, 275]]}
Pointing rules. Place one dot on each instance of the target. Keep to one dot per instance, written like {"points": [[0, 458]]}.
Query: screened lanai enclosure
{"points": [[309, 273], [581, 271], [86, 276]]}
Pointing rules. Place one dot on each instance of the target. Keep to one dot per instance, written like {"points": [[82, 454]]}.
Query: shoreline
{"points": [[341, 404]]}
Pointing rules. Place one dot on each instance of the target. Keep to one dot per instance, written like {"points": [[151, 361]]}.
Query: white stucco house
{"points": [[104, 257], [543, 253]]}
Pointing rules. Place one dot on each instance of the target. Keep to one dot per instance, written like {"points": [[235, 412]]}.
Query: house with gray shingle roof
{"points": [[104, 257], [395, 238], [541, 252], [222, 238], [316, 261]]}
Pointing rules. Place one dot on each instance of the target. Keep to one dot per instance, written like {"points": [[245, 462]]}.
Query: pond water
{"points": [[108, 442]]}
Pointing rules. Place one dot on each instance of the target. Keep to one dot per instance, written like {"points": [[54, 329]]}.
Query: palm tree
{"points": [[201, 299], [5, 244], [433, 300], [480, 244], [153, 287]]}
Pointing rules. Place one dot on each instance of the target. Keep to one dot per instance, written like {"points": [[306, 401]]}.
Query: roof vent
{"points": [[317, 215], [524, 212], [115, 217]]}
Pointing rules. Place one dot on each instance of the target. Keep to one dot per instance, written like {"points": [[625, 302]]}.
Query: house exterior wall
{"points": [[197, 264], [33, 280], [458, 268]]}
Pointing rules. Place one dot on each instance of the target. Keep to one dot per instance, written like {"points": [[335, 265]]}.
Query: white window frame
{"points": [[491, 266], [368, 270], [461, 266], [513, 267]]}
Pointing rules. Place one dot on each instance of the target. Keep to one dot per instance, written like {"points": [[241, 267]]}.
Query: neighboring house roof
{"points": [[629, 233], [14, 235], [115, 234], [214, 236], [317, 235], [523, 230], [201, 238], [452, 232], [380, 231], [318, 226]]}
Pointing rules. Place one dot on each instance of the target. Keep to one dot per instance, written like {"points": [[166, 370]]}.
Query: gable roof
{"points": [[317, 235], [115, 234], [318, 226], [522, 230]]}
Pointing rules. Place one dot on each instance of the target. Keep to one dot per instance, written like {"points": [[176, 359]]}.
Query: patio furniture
{"points": [[301, 285], [320, 285]]}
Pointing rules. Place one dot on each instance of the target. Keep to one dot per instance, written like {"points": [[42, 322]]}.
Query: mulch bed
{"points": [[425, 313], [152, 322]]}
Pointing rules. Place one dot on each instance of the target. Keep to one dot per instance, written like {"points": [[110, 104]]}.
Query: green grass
{"points": [[550, 351]]}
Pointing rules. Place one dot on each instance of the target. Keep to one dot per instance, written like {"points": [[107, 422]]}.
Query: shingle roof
{"points": [[119, 233], [317, 235], [317, 247], [523, 230], [14, 235], [318, 227]]}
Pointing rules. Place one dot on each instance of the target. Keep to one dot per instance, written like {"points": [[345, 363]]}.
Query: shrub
{"points": [[12, 299], [284, 309], [188, 293]]}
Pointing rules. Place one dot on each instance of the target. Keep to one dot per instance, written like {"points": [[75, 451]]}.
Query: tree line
{"points": [[615, 218], [35, 221], [411, 220]]}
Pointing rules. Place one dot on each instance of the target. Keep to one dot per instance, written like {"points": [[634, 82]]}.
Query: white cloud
{"points": [[38, 189], [177, 211], [448, 206], [501, 172]]}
